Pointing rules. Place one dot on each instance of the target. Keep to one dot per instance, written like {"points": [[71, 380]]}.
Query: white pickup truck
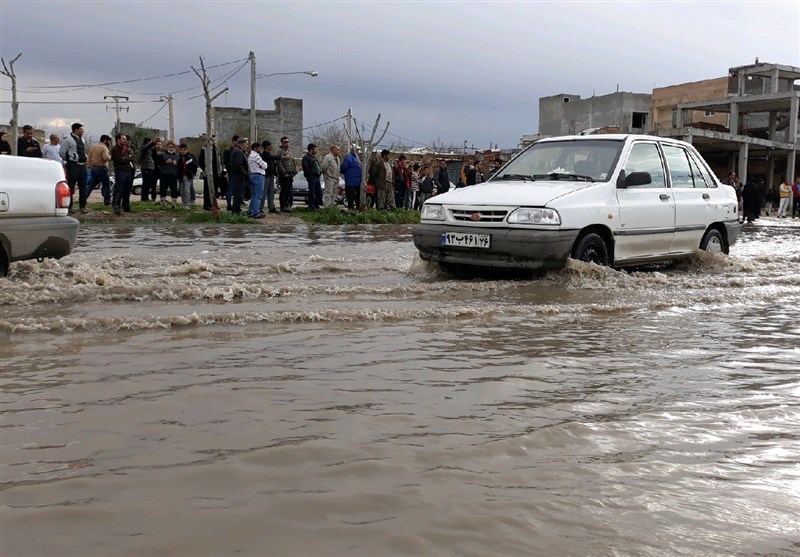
{"points": [[34, 201]]}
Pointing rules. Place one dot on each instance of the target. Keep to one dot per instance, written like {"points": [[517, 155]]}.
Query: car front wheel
{"points": [[712, 241], [591, 248]]}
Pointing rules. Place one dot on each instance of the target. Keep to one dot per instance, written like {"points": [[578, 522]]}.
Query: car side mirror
{"points": [[633, 179]]}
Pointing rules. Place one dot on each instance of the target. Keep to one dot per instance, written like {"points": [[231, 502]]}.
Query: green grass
{"points": [[335, 215]]}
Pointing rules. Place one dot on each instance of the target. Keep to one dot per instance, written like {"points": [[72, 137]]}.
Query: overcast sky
{"points": [[453, 71]]}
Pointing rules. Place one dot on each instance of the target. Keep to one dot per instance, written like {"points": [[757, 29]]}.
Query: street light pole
{"points": [[252, 97]]}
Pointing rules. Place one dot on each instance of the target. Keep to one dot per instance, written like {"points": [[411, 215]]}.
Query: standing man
{"points": [[474, 175], [27, 146], [186, 173], [257, 167], [269, 177], [401, 182], [442, 178], [147, 162], [51, 150], [217, 185], [383, 178], [238, 172], [226, 164], [351, 169], [312, 171], [74, 152], [426, 185], [286, 171], [122, 155], [98, 166], [330, 170], [796, 196]]}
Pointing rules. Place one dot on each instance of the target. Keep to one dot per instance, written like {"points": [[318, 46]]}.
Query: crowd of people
{"points": [[755, 195]]}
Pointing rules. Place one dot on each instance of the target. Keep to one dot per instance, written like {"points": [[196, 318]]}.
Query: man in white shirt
{"points": [[50, 151], [330, 171]]}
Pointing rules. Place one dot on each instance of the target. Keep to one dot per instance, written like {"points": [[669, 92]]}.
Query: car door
{"points": [[694, 207], [646, 212]]}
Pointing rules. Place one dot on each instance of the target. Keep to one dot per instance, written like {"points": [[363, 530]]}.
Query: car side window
{"points": [[702, 171], [680, 173], [644, 157]]}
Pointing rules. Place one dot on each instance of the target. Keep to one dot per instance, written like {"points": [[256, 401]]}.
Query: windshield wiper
{"points": [[563, 175], [523, 177]]}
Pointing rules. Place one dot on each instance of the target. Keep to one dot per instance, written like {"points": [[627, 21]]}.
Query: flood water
{"points": [[310, 390]]}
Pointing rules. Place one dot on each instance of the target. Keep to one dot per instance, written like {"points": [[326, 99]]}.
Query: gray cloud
{"points": [[454, 71]]}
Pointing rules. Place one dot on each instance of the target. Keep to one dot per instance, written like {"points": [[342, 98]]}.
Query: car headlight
{"points": [[534, 215], [432, 212]]}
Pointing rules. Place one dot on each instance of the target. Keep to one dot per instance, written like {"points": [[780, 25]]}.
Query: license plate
{"points": [[466, 240]]}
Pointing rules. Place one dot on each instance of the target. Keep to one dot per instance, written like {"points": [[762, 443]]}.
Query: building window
{"points": [[710, 113], [674, 117], [639, 120], [566, 99]]}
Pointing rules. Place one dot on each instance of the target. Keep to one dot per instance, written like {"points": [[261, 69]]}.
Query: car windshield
{"points": [[577, 160]]}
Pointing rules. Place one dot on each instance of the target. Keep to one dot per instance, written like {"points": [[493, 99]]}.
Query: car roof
{"points": [[611, 137]]}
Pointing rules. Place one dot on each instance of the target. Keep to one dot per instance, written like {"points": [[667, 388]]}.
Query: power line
{"points": [[77, 102], [85, 85], [154, 115]]}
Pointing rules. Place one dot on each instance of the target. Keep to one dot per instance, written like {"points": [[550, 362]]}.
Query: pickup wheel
{"points": [[591, 248], [712, 241], [3, 263]]}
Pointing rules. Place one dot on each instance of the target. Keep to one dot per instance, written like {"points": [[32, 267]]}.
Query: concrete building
{"points": [[285, 119], [665, 100], [762, 103], [566, 114]]}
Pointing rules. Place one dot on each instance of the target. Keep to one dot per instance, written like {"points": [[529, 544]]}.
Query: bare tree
{"points": [[332, 134], [209, 150], [366, 151], [8, 71]]}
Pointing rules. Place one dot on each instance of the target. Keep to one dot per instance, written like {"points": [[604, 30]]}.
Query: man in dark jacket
{"points": [[442, 178], [27, 146], [312, 171], [122, 157], [238, 174], [269, 177], [147, 164], [226, 164]]}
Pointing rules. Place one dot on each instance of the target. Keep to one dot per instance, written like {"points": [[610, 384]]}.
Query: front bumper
{"points": [[511, 248], [38, 237], [732, 229]]}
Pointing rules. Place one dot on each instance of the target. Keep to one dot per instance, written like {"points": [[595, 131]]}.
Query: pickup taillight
{"points": [[63, 196]]}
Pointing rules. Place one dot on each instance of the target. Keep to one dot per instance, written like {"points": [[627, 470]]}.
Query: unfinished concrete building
{"points": [[565, 114], [762, 134]]}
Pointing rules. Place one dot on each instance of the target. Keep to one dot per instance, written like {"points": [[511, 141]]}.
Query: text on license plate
{"points": [[466, 240]]}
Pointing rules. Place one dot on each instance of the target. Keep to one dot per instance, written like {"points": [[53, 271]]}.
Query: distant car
{"points": [[34, 201], [300, 189], [621, 200]]}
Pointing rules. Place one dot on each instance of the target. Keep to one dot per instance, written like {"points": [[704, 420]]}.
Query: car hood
{"points": [[534, 194]]}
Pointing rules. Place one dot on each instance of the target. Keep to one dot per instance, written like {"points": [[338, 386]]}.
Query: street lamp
{"points": [[312, 73], [253, 78]]}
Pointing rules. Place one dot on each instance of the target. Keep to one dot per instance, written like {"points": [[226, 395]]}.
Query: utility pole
{"points": [[209, 150], [349, 126], [252, 57], [168, 100], [8, 71], [117, 108]]}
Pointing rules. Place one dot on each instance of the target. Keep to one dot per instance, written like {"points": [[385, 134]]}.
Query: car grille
{"points": [[483, 215]]}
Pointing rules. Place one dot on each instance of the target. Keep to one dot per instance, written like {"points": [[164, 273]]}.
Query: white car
{"points": [[34, 200], [616, 200]]}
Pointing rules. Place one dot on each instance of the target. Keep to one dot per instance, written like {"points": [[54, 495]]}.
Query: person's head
{"points": [[106, 139], [242, 142], [335, 150], [170, 146], [312, 148], [385, 155], [235, 140], [415, 168], [145, 141], [3, 136], [443, 164], [497, 164], [267, 145], [258, 147], [285, 142], [121, 139], [27, 132], [401, 161], [426, 169], [213, 140], [184, 149], [159, 145], [53, 139], [77, 129]]}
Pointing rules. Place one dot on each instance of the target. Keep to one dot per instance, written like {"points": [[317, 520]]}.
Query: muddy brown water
{"points": [[309, 390]]}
